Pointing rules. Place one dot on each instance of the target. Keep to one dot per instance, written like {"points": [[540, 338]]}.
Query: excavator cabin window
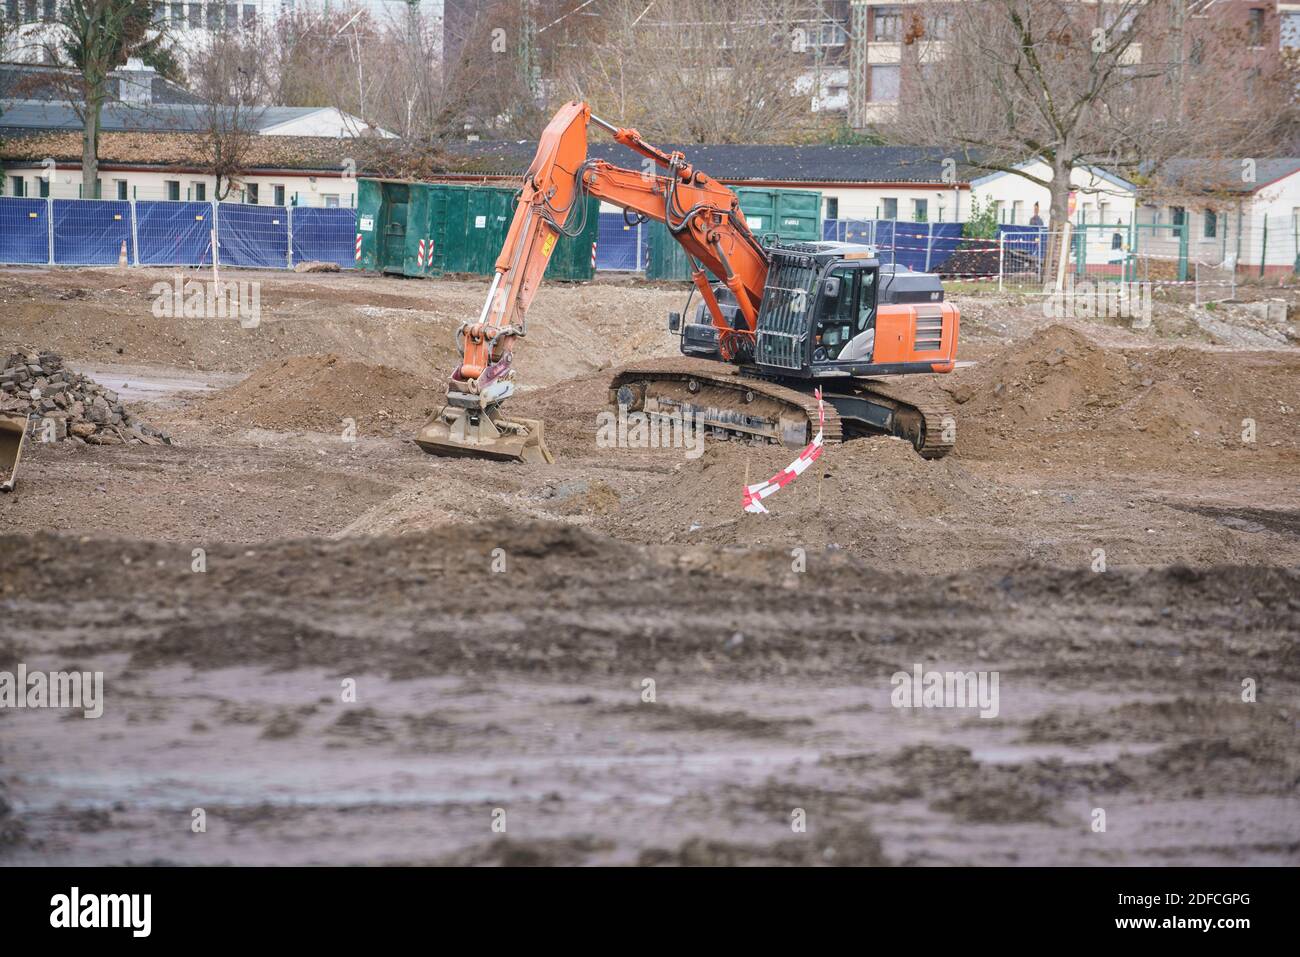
{"points": [[846, 320]]}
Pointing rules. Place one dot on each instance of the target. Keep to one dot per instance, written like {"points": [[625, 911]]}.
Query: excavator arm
{"points": [[701, 214]]}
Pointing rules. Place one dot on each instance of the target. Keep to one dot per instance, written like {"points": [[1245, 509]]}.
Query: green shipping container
{"points": [[381, 222], [430, 229], [794, 215], [668, 260], [572, 259]]}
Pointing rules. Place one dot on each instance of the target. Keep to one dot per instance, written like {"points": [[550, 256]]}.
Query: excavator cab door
{"points": [[844, 325]]}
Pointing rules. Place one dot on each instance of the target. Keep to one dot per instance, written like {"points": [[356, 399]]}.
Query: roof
{"points": [[736, 163], [18, 115], [1226, 176], [322, 154], [370, 155], [30, 81], [1102, 174]]}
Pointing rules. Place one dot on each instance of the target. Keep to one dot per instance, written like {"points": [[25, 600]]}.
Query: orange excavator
{"points": [[776, 321]]}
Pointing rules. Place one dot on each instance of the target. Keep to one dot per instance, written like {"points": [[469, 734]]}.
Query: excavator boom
{"points": [[701, 213]]}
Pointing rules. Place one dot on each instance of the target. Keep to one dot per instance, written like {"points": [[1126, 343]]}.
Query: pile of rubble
{"points": [[63, 404]]}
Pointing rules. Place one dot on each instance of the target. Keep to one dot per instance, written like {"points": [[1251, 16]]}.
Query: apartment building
{"points": [[892, 39]]}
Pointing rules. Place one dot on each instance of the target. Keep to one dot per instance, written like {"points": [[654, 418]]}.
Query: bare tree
{"points": [[696, 71], [232, 80], [310, 62], [93, 38], [1116, 85], [435, 80]]}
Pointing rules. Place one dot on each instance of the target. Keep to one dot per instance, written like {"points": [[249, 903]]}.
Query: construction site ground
{"points": [[1117, 536]]}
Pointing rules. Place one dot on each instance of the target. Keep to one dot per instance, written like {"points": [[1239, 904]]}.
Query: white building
{"points": [[150, 144], [1243, 213], [1100, 197]]}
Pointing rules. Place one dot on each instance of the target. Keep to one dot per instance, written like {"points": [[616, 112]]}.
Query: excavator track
{"points": [[727, 403], [737, 405], [922, 413]]}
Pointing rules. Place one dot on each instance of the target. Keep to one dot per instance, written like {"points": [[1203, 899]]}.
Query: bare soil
{"points": [[1103, 539]]}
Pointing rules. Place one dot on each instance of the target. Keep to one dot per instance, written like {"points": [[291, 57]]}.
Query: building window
{"points": [[250, 194], [885, 24], [1291, 30], [200, 191], [178, 14], [173, 189], [160, 13], [43, 187], [1255, 27], [1177, 215], [214, 17], [891, 208], [17, 186], [1017, 210], [232, 16], [937, 26], [196, 16], [49, 9], [121, 188], [832, 207], [278, 194], [920, 210], [884, 84], [331, 200], [1211, 224], [250, 17]]}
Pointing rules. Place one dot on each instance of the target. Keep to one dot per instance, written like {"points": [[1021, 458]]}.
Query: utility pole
{"points": [[528, 64], [1178, 20]]}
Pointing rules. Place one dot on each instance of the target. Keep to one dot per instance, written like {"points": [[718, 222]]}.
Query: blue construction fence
{"points": [[920, 246], [1028, 241], [91, 232], [620, 244], [924, 247]]}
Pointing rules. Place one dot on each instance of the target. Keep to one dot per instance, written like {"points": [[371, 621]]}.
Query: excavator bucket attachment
{"points": [[475, 434], [13, 432]]}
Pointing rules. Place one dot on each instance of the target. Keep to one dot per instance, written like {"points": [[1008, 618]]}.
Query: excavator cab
{"points": [[834, 310]]}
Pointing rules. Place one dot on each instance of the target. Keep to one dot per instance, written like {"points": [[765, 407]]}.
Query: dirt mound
{"points": [[1051, 375], [854, 488], [1059, 391], [321, 394]]}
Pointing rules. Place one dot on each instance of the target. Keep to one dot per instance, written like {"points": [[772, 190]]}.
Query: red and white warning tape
{"points": [[358, 247], [593, 255], [419, 258], [754, 494]]}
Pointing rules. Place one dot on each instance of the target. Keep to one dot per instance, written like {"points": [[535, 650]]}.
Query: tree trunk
{"points": [[90, 148], [1058, 215]]}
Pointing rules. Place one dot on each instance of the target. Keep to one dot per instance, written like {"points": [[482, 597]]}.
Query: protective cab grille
{"points": [[782, 336]]}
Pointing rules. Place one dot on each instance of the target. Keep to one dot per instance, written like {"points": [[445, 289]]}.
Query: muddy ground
{"points": [[1104, 540]]}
